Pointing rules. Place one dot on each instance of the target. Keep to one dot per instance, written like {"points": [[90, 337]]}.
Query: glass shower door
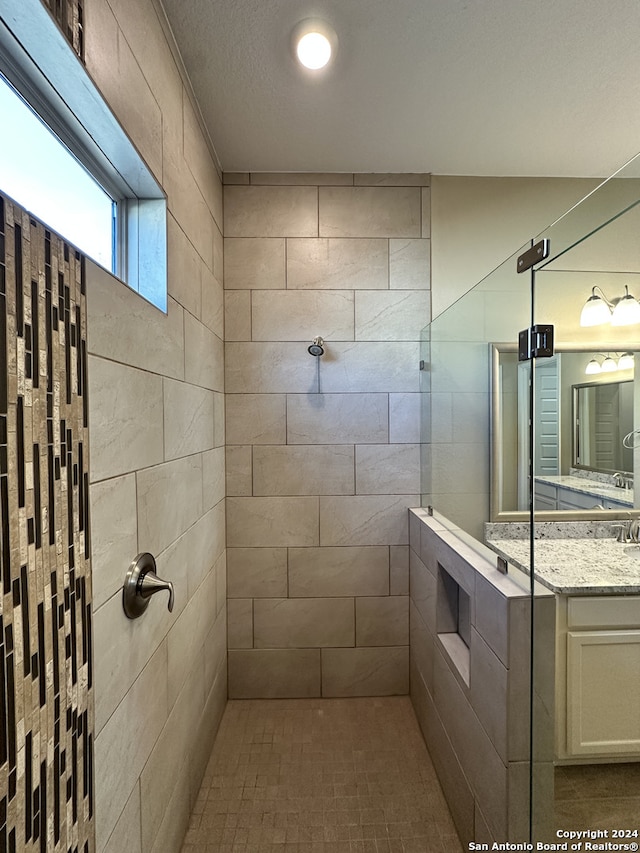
{"points": [[585, 464]]}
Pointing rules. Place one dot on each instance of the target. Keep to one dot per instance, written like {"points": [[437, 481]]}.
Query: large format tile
{"points": [[365, 671], [169, 501], [388, 469], [316, 264], [256, 418], [114, 534], [366, 366], [270, 211], [297, 315], [122, 440], [327, 571], [395, 315], [254, 263], [240, 623], [126, 835], [409, 265], [268, 368], [272, 522], [188, 419], [337, 419], [123, 746], [257, 572], [237, 315], [297, 623], [365, 519], [303, 470], [203, 355], [369, 211], [404, 418], [125, 328], [382, 621], [274, 673]]}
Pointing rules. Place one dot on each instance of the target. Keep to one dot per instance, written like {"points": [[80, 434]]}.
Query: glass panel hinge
{"points": [[535, 342]]}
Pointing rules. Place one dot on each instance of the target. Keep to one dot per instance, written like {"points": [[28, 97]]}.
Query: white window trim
{"points": [[40, 63]]}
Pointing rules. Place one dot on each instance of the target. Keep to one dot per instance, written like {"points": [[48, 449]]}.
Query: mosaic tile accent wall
{"points": [[46, 700], [70, 16]]}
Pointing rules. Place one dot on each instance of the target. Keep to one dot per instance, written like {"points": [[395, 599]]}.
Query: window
{"points": [[127, 206], [42, 175]]}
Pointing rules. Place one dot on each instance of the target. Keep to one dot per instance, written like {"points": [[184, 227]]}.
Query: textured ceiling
{"points": [[467, 87]]}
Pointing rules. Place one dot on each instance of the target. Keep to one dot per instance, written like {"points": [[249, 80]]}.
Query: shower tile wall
{"points": [[322, 455], [46, 677], [157, 430]]}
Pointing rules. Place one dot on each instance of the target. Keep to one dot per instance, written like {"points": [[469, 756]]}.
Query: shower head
{"points": [[317, 347]]}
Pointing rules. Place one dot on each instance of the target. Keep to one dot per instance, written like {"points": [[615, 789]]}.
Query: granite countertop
{"points": [[586, 486], [582, 566]]}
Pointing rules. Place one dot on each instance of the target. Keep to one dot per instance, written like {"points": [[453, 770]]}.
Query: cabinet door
{"points": [[603, 692]]}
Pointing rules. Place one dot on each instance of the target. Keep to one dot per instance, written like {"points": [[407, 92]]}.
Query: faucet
{"points": [[628, 531], [618, 480]]}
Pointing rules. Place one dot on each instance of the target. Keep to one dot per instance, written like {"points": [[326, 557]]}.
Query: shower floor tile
{"points": [[320, 776]]}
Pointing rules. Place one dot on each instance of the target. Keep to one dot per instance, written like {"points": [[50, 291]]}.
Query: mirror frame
{"points": [[575, 389], [496, 513]]}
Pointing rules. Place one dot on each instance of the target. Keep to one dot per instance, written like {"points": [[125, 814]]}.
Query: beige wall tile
{"points": [[186, 639], [303, 470], [294, 315], [404, 418], [114, 534], [256, 418], [365, 672], [387, 469], [365, 520], [240, 623], [175, 818], [213, 477], [189, 208], [146, 338], [488, 682], [122, 441], [396, 179], [203, 355], [318, 572], [336, 179], [254, 263], [212, 302], [274, 673], [296, 623], [183, 269], [257, 572], [237, 315], [169, 501], [126, 834], [318, 264], [253, 368], [370, 212], [426, 212], [219, 426], [215, 658], [398, 315], [239, 468], [188, 419], [125, 743], [410, 265], [337, 418], [423, 586], [399, 570], [382, 621], [366, 366], [190, 558], [272, 522], [421, 646], [218, 253], [270, 211], [200, 160], [236, 178]]}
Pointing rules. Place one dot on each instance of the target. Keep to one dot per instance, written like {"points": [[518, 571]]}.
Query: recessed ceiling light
{"points": [[314, 43]]}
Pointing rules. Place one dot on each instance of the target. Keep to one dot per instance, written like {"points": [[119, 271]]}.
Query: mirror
{"points": [[582, 422], [602, 419]]}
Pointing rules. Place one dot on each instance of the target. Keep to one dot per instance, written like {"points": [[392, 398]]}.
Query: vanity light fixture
{"points": [[609, 363], [622, 311], [314, 43]]}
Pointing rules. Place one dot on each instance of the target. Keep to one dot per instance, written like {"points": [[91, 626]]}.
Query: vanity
{"points": [[574, 492], [596, 581]]}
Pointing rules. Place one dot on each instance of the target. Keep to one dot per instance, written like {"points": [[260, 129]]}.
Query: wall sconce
{"points": [[609, 363], [622, 311]]}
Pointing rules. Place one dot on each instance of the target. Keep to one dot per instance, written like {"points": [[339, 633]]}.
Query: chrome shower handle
{"points": [[141, 583]]}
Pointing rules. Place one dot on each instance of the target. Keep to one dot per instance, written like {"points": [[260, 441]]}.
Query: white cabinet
{"points": [[598, 677]]}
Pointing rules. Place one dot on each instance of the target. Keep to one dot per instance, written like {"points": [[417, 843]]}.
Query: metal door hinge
{"points": [[534, 255], [535, 342]]}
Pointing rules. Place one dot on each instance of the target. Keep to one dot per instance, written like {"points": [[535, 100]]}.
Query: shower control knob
{"points": [[140, 584]]}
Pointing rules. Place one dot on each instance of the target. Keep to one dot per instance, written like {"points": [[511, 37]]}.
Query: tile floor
{"points": [[320, 776], [598, 796]]}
